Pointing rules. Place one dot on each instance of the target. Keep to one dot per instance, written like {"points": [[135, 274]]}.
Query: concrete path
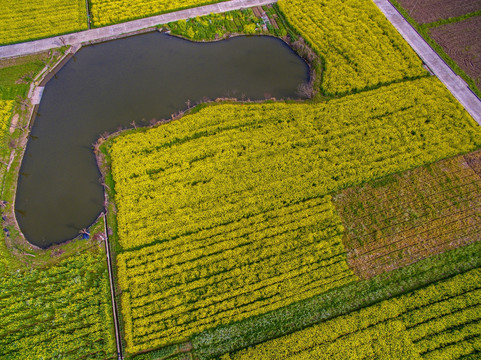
{"points": [[113, 31], [453, 82], [118, 338], [37, 95]]}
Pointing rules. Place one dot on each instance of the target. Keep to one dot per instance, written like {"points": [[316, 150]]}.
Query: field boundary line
{"points": [[454, 83], [118, 339], [124, 29], [87, 7]]}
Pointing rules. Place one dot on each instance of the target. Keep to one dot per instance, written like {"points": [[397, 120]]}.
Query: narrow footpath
{"points": [[118, 339], [455, 84], [115, 31]]}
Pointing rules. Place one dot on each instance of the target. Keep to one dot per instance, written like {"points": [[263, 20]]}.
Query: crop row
{"points": [[235, 161], [59, 312], [438, 321], [411, 216], [360, 48], [174, 289], [22, 20]]}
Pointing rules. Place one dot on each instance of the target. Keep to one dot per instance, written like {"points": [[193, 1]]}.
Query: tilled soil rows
{"points": [[462, 42], [426, 11], [405, 218]]}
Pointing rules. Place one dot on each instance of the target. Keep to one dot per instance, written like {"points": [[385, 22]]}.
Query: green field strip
{"points": [[450, 20]]}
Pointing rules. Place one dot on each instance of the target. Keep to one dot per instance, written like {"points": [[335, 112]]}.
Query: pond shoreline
{"points": [[50, 72], [32, 109]]}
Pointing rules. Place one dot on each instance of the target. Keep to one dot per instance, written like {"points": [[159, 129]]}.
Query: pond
{"points": [[113, 84]]}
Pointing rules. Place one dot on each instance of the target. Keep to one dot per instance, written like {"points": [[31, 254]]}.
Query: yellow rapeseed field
{"points": [[225, 213], [23, 20], [106, 12], [359, 47]]}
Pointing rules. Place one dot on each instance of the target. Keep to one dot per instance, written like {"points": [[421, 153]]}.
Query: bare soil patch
{"points": [[426, 11], [462, 42], [13, 123], [401, 219]]}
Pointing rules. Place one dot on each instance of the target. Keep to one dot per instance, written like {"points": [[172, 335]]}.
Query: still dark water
{"points": [[112, 84]]}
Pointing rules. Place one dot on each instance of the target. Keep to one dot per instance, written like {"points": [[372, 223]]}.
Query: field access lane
{"points": [[113, 31], [455, 84]]}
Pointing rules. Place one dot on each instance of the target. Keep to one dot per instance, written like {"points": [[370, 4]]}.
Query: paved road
{"points": [[112, 31], [453, 82]]}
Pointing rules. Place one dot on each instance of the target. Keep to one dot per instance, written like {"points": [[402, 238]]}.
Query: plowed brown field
{"points": [[462, 42], [404, 218], [426, 11]]}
